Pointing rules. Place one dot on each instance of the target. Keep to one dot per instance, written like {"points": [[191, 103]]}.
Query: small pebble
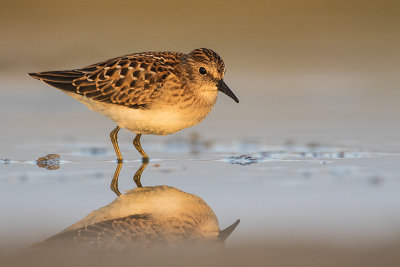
{"points": [[50, 162]]}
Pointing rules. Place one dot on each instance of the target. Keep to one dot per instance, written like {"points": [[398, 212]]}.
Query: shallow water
{"points": [[298, 172]]}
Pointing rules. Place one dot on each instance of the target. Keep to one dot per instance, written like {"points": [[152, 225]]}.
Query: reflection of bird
{"points": [[147, 93], [143, 217]]}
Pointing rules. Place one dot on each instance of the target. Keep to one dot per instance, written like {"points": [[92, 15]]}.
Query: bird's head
{"points": [[205, 71]]}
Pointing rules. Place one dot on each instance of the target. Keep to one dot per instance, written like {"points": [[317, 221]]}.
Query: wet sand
{"points": [[255, 255]]}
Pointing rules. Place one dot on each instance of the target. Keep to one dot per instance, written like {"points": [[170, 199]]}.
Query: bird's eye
{"points": [[202, 71]]}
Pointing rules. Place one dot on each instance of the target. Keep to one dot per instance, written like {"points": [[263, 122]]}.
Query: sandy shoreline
{"points": [[250, 254]]}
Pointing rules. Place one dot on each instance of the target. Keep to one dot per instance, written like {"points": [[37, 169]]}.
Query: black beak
{"points": [[225, 89], [223, 235]]}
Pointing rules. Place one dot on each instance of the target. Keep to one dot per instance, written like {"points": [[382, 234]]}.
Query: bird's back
{"points": [[131, 81]]}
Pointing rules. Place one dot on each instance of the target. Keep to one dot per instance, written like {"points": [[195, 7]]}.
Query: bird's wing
{"points": [[138, 230], [132, 80], [134, 230]]}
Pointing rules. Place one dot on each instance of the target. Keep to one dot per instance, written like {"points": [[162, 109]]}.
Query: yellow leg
{"points": [[138, 174], [114, 141], [136, 177], [114, 182], [138, 146]]}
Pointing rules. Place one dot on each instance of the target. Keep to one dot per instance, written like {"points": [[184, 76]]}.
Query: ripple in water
{"points": [[322, 156]]}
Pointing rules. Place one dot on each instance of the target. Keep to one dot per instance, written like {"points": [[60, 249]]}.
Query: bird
{"points": [[145, 217], [156, 93]]}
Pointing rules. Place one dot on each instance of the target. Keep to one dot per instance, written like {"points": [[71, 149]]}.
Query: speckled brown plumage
{"points": [[131, 231], [147, 93], [132, 80], [145, 217]]}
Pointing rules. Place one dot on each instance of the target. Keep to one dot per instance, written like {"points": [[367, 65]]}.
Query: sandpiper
{"points": [[156, 93], [146, 217]]}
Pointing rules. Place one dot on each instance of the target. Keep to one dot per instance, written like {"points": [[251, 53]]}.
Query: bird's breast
{"points": [[161, 118], [163, 121]]}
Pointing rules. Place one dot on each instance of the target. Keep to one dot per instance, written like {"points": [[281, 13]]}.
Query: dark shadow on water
{"points": [[144, 217]]}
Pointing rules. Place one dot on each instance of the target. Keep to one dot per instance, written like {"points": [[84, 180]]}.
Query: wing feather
{"points": [[138, 229], [132, 80]]}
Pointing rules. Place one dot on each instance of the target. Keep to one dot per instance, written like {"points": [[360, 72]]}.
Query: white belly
{"points": [[159, 121]]}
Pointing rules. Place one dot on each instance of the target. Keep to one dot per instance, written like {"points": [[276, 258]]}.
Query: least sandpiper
{"points": [[147, 93], [146, 216]]}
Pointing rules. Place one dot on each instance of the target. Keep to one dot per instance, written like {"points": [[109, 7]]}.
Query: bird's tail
{"points": [[59, 79]]}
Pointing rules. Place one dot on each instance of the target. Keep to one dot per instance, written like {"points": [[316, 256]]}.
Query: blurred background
{"points": [[257, 37], [310, 75], [298, 67]]}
